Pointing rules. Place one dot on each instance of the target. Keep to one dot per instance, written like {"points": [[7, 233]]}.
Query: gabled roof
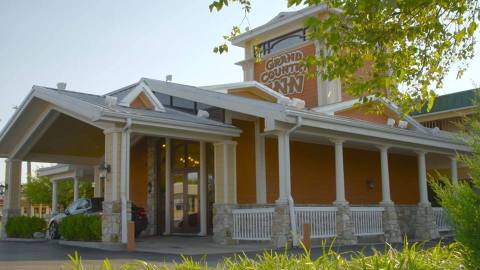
{"points": [[449, 102], [333, 108], [281, 19], [137, 90]]}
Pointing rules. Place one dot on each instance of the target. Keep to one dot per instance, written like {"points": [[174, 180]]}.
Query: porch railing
{"points": [[367, 220], [322, 220], [252, 224], [440, 219]]}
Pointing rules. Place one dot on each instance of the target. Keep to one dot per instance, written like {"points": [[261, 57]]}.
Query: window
{"points": [[282, 42], [184, 104], [215, 113]]}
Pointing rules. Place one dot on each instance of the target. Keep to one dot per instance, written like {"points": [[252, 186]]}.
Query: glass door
{"points": [[185, 186]]}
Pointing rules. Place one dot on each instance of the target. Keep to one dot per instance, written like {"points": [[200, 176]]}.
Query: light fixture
{"points": [[104, 170], [370, 183], [3, 189]]}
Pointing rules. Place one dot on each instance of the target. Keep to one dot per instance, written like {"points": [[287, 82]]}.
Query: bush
{"points": [[410, 257], [81, 228], [24, 227]]}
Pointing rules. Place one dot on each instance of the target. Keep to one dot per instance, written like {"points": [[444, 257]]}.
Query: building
{"points": [[253, 160], [35, 210]]}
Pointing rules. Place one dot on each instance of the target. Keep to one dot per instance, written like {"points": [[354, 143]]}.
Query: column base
{"points": [[112, 222], [6, 214], [391, 226], [281, 227], [344, 226], [425, 227], [223, 224]]}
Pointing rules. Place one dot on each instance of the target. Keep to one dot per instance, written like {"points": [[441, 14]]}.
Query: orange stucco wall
{"points": [[313, 174], [138, 174], [245, 162]]}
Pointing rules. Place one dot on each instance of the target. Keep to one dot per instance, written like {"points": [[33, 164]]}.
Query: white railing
{"points": [[367, 220], [440, 219], [252, 224], [322, 220]]}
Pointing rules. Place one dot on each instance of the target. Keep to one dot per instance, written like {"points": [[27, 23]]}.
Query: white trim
{"points": [[63, 158], [203, 189], [142, 88], [114, 166], [269, 26], [224, 88], [168, 185], [225, 172], [260, 170]]}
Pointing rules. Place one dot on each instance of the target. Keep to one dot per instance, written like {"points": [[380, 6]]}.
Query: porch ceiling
{"points": [[69, 140]]}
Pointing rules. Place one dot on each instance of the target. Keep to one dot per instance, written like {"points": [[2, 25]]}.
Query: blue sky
{"points": [[99, 46]]}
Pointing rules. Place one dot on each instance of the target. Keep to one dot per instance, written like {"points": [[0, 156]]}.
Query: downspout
{"points": [[291, 203], [124, 177]]}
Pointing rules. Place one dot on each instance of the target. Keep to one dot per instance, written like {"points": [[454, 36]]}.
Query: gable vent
{"points": [[110, 101]]}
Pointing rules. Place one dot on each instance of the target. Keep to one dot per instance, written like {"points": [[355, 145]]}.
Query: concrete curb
{"points": [[25, 240], [96, 245]]}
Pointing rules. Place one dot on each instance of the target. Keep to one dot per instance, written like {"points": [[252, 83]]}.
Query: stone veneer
{"points": [[407, 218], [344, 226], [111, 222], [390, 224], [425, 228], [223, 223], [152, 187], [281, 227]]}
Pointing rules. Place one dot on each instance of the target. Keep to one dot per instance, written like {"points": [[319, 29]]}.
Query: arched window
{"points": [[282, 42]]}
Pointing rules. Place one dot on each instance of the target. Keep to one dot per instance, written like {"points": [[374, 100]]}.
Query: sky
{"points": [[99, 46]]}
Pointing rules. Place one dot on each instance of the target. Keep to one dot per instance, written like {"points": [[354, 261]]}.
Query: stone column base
{"points": [[390, 223], [111, 222], [7, 213], [344, 226], [281, 227], [425, 227], [223, 224]]}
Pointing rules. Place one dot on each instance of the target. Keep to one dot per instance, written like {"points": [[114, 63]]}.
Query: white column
{"points": [[339, 174], [203, 188], [168, 185], [260, 173], [54, 196], [385, 175], [422, 178], [454, 170], [75, 188], [283, 168]]}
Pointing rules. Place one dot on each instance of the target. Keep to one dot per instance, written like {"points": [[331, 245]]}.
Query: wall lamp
{"points": [[104, 169]]}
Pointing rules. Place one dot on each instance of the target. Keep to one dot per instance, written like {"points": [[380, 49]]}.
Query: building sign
{"points": [[284, 73]]}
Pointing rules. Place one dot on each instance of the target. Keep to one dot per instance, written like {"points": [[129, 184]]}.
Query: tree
{"points": [[462, 201], [408, 45], [39, 190]]}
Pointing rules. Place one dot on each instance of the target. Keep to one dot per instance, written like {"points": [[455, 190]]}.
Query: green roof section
{"points": [[452, 101]]}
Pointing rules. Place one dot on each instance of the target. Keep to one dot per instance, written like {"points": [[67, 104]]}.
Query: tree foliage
{"points": [[39, 190], [462, 202], [407, 46]]}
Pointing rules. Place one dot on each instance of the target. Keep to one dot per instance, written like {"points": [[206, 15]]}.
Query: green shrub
{"points": [[81, 228], [24, 227], [410, 257]]}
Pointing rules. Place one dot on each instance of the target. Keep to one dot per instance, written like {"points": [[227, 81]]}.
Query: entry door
{"points": [[185, 187]]}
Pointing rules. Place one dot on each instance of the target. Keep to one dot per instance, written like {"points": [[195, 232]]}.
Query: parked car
{"points": [[93, 206]]}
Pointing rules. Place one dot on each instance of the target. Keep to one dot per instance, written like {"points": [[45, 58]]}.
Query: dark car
{"points": [[94, 206]]}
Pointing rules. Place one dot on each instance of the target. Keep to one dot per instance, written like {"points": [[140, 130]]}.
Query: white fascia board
{"points": [[57, 169], [76, 106], [442, 112], [242, 38], [331, 109], [370, 130], [170, 123], [233, 103], [142, 88], [223, 88]]}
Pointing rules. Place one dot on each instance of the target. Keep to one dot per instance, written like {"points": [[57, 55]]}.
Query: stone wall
{"points": [[281, 227], [407, 218], [425, 226], [111, 222], [344, 226], [152, 187], [223, 223]]}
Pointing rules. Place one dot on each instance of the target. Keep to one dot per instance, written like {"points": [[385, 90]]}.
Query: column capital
{"points": [[112, 130], [234, 143], [453, 158], [420, 152], [337, 140], [384, 147]]}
